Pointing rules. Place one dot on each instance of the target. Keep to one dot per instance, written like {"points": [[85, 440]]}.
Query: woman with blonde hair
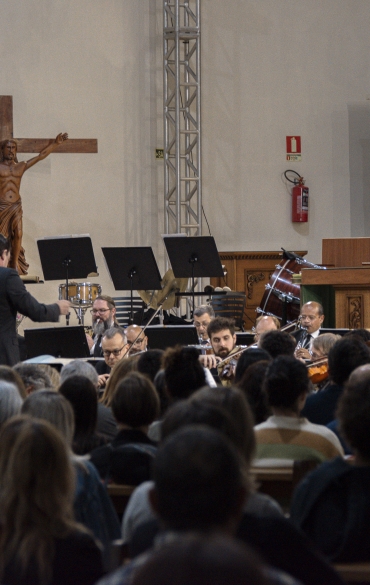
{"points": [[40, 543]]}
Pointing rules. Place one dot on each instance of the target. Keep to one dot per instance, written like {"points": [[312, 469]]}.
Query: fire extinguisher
{"points": [[299, 198]]}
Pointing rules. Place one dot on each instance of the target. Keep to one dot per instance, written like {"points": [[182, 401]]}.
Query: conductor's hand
{"points": [[64, 307]]}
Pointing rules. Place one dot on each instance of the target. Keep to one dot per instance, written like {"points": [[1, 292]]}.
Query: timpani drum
{"points": [[86, 293], [282, 290]]}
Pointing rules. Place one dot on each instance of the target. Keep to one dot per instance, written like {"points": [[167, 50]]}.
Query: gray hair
{"points": [[10, 401], [202, 309], [53, 407], [112, 331], [33, 375], [79, 368]]}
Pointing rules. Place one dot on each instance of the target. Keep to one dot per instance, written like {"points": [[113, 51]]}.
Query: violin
{"points": [[318, 371]]}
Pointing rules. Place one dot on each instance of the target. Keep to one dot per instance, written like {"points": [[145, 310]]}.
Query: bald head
{"points": [[266, 323], [312, 316], [136, 338], [360, 374]]}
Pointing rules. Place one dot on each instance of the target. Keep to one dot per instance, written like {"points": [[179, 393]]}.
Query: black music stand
{"points": [[193, 257], [131, 268], [66, 257], [64, 342]]}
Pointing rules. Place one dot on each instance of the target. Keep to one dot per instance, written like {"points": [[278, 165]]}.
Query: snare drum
{"points": [[72, 291], [86, 293]]}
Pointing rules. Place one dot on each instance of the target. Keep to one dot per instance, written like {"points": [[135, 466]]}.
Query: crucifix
{"points": [[11, 173]]}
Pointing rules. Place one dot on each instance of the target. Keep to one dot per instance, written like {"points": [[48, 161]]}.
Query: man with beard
{"points": [[221, 332], [103, 317]]}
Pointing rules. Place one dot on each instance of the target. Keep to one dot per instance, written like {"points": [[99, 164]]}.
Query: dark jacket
{"points": [[14, 298], [127, 459], [320, 407], [332, 506]]}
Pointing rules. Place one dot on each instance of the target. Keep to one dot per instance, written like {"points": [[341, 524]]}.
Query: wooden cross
{"points": [[82, 145]]}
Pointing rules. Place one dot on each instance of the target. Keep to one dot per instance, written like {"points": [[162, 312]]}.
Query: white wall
{"points": [[270, 68]]}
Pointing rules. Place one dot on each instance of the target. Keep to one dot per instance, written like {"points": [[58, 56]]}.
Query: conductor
{"points": [[14, 298]]}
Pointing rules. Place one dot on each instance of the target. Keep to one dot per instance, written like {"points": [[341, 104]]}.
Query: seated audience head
{"points": [[221, 333], [322, 344], [54, 408], [277, 343], [135, 403], [198, 481], [81, 393], [312, 316], [136, 338], [183, 371], [252, 384], [8, 374], [201, 560], [364, 334], [114, 345], [34, 378], [103, 314], [53, 375], [36, 495], [118, 373], [353, 413], [345, 356], [149, 363], [10, 401], [265, 323], [286, 384], [233, 401], [203, 315], [247, 358], [79, 368]]}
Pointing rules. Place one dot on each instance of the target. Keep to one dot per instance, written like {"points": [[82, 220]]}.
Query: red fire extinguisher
{"points": [[299, 198]]}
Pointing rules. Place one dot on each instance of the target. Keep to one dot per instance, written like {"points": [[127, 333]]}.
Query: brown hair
{"points": [[135, 401], [119, 371], [36, 494]]}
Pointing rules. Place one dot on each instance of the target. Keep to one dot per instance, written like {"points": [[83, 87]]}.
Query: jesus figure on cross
{"points": [[11, 173]]}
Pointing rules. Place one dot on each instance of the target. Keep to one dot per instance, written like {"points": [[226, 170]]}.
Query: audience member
{"points": [[106, 425], [277, 343], [202, 560], [199, 485], [127, 459], [10, 401], [80, 392], [34, 378], [149, 362], [40, 542], [344, 357], [252, 386], [53, 375], [183, 375], [247, 358], [8, 374], [92, 505], [332, 505], [285, 434], [119, 371]]}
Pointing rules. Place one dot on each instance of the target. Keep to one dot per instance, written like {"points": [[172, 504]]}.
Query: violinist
{"points": [[265, 323], [222, 336]]}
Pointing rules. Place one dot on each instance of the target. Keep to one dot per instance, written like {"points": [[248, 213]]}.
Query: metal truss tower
{"points": [[182, 129]]}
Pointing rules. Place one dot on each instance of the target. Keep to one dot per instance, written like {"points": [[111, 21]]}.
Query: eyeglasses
{"points": [[115, 352], [95, 311]]}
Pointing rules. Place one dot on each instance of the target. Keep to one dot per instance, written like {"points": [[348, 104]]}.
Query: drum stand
{"points": [[80, 312]]}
